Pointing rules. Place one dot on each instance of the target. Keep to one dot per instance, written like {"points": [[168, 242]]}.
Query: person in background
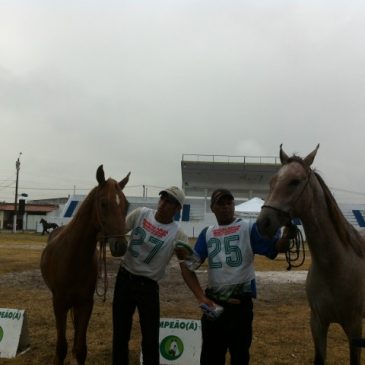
{"points": [[151, 246], [229, 246]]}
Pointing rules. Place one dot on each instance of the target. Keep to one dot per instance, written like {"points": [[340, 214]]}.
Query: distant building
{"points": [[26, 220]]}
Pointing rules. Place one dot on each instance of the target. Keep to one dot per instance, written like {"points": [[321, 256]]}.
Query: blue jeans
{"points": [[131, 292]]}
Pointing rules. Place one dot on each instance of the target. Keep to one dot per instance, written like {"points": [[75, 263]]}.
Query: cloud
{"points": [[137, 85]]}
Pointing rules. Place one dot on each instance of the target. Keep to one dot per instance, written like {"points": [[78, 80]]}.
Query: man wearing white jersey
{"points": [[229, 247], [151, 246]]}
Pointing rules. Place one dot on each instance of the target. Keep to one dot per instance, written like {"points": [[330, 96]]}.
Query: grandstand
{"points": [[245, 176]]}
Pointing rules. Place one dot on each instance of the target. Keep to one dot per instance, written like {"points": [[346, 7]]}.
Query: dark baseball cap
{"points": [[218, 194]]}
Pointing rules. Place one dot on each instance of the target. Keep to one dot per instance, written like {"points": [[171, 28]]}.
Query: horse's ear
{"points": [[100, 176], [123, 183], [310, 158], [283, 156]]}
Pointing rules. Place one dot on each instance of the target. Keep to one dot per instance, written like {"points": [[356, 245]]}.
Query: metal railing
{"points": [[272, 160]]}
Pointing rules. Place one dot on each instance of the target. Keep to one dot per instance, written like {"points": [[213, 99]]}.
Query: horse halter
{"points": [[103, 235], [102, 238], [295, 255], [287, 212]]}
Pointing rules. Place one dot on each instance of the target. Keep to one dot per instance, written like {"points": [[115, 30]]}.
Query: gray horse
{"points": [[335, 283]]}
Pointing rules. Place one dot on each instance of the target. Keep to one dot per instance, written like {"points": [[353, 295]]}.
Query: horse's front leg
{"points": [[319, 333], [60, 313], [82, 314]]}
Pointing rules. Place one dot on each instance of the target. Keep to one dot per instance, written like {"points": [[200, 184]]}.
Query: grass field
{"points": [[281, 322]]}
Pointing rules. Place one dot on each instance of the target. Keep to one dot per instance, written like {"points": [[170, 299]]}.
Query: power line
{"points": [[7, 186], [73, 187], [54, 189]]}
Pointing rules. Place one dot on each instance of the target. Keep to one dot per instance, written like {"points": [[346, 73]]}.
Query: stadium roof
{"points": [[245, 176]]}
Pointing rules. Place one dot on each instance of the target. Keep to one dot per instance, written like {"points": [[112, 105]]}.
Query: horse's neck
{"points": [[321, 233], [319, 230], [82, 229]]}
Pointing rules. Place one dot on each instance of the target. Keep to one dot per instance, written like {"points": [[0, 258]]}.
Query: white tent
{"points": [[250, 208]]}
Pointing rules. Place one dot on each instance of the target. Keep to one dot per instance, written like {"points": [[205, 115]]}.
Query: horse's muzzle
{"points": [[267, 224], [118, 246]]}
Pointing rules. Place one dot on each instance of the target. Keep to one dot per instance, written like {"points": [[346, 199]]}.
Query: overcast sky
{"points": [[134, 85]]}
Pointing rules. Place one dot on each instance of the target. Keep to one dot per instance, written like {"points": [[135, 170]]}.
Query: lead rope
{"points": [[101, 259], [295, 255], [102, 272]]}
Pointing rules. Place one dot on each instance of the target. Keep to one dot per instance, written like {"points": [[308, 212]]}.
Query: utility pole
{"points": [[17, 165]]}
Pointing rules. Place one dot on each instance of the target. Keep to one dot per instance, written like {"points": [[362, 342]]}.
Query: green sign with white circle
{"points": [[171, 347]]}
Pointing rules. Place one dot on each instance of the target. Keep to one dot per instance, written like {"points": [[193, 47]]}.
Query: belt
{"points": [[131, 276], [240, 300], [234, 301]]}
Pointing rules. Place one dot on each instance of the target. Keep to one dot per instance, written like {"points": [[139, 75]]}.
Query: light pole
{"points": [[17, 165]]}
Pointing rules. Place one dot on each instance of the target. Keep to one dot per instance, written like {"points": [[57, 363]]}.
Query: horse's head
{"points": [[288, 192], [111, 208]]}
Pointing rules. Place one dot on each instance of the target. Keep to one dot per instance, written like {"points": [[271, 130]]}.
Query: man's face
{"points": [[167, 208], [224, 210]]}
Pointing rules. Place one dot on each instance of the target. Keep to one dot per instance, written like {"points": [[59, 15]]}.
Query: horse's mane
{"points": [[81, 211], [345, 231], [89, 199]]}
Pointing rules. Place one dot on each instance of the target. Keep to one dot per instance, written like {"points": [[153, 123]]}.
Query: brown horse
{"points": [[335, 283], [69, 261]]}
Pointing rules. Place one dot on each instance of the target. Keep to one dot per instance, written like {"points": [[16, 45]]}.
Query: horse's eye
{"points": [[294, 182]]}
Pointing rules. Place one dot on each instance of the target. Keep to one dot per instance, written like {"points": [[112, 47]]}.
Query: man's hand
{"points": [[182, 250], [204, 300], [181, 253], [282, 245], [289, 233]]}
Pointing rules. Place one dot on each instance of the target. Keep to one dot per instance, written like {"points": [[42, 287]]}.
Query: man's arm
{"points": [[271, 247], [131, 219], [192, 282]]}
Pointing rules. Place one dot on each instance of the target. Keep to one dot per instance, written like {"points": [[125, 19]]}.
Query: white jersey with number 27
{"points": [[151, 244]]}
